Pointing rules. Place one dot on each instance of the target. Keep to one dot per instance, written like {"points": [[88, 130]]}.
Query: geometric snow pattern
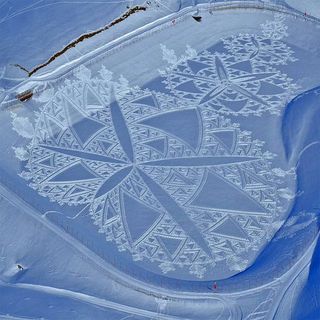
{"points": [[242, 80], [132, 207], [167, 177], [226, 195], [148, 174], [229, 228]]}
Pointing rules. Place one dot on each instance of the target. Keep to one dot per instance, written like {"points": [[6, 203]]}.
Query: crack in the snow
{"points": [[73, 43]]}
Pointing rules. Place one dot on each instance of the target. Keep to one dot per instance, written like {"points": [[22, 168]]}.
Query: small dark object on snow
{"points": [[25, 95], [197, 18], [20, 267]]}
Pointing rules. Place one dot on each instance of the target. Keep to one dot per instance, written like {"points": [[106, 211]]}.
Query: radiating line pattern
{"points": [[240, 75], [170, 181]]}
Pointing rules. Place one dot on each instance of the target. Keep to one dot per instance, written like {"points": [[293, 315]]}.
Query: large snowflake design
{"points": [[170, 182], [241, 79]]}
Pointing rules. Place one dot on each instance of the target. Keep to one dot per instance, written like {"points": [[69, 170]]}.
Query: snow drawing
{"points": [[170, 57], [22, 125], [242, 79], [155, 171]]}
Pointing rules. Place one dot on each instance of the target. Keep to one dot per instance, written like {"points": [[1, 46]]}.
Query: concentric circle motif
{"points": [[174, 184]]}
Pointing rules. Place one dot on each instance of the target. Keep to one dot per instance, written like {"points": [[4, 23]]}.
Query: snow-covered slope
{"points": [[310, 7], [163, 172]]}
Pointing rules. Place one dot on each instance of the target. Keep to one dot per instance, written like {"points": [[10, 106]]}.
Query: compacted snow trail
{"points": [[92, 300], [157, 174]]}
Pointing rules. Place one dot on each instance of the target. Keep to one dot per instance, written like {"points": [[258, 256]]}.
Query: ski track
{"points": [[91, 300]]}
